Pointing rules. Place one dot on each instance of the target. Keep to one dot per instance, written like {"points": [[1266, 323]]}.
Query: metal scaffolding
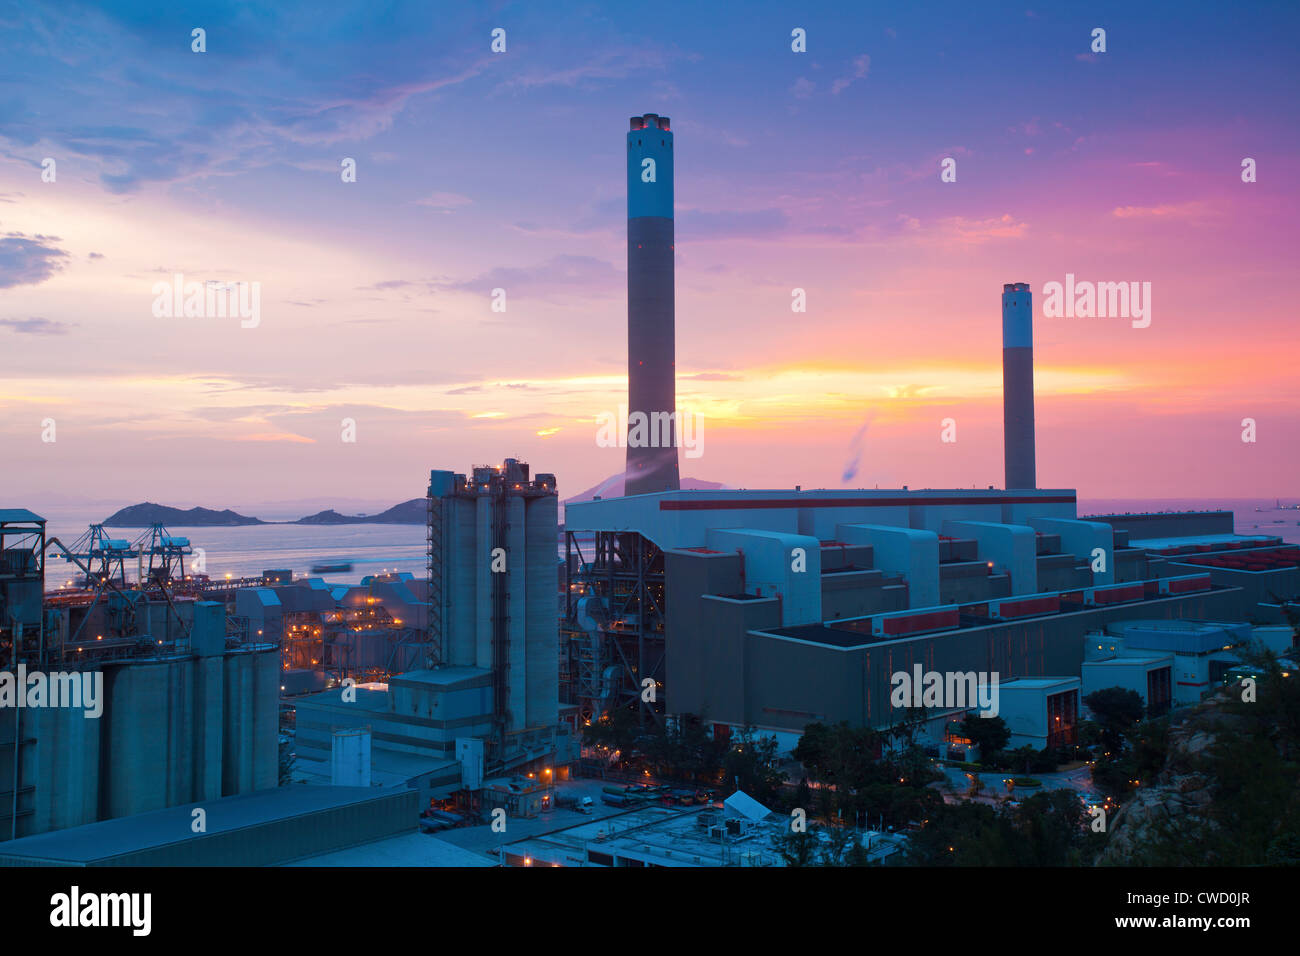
{"points": [[626, 576]]}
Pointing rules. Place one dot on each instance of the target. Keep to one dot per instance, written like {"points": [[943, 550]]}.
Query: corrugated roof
{"points": [[144, 831]]}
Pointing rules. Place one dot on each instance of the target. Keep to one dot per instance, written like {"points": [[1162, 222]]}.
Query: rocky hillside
{"points": [[1229, 791]]}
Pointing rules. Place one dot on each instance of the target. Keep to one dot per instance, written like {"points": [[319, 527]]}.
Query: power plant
{"points": [[772, 609], [464, 690], [651, 316], [186, 707]]}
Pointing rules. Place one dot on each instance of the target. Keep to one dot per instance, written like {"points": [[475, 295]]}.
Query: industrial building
{"points": [[1040, 712], [777, 608], [187, 708], [452, 680], [740, 832], [267, 828]]}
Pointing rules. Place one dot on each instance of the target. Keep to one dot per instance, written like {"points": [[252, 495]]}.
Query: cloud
{"points": [[245, 104], [698, 224], [609, 65], [710, 377], [962, 230], [803, 88], [28, 260], [861, 65], [444, 202], [565, 273], [1186, 210], [277, 437], [36, 326]]}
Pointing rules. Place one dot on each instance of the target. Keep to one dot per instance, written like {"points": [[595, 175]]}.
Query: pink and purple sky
{"points": [[475, 171]]}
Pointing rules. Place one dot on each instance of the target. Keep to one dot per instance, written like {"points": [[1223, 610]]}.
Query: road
{"points": [[957, 782]]}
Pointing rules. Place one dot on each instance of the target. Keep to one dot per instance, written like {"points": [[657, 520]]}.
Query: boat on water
{"points": [[331, 568]]}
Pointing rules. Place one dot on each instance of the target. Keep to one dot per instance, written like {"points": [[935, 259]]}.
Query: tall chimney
{"points": [[1018, 385], [651, 369]]}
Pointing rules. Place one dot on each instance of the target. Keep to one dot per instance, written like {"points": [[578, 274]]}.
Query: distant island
{"points": [[148, 513], [415, 511]]}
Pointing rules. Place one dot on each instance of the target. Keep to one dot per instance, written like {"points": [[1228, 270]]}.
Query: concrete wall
{"points": [[1011, 548], [1081, 539], [1128, 673], [776, 682], [688, 577], [1258, 586], [771, 569], [970, 583], [1024, 709], [913, 553], [858, 593], [1141, 527]]}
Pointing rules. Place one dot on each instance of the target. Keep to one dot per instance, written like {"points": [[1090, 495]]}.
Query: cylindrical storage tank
{"points": [[266, 719], [460, 646], [542, 640], [136, 738], [237, 737], [66, 770], [517, 611], [481, 559]]}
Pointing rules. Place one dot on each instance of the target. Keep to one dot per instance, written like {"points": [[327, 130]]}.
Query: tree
{"points": [[990, 734], [798, 849], [834, 849], [287, 760], [751, 764], [615, 732], [1118, 710]]}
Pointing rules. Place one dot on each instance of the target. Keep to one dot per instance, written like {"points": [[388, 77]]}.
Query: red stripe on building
{"points": [[1043, 605], [1111, 595], [911, 623], [745, 504]]}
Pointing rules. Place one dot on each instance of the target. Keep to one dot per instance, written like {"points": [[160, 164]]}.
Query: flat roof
{"points": [[1185, 541], [407, 849], [370, 700], [1034, 683], [144, 831], [682, 519], [1163, 658], [441, 676]]}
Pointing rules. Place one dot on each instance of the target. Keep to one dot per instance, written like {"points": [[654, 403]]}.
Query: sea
{"points": [[249, 550]]}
